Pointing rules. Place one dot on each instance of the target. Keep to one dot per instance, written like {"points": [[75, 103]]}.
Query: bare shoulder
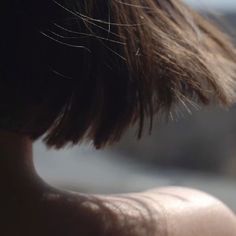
{"points": [[172, 211], [159, 212], [192, 212]]}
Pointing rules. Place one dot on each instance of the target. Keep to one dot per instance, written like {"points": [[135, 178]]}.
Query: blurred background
{"points": [[197, 150]]}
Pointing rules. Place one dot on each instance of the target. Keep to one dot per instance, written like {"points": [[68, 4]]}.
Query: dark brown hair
{"points": [[78, 70]]}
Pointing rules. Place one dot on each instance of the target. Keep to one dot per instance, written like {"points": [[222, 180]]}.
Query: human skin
{"points": [[31, 207]]}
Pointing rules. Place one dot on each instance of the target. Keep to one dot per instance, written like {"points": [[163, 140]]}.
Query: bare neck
{"points": [[16, 159]]}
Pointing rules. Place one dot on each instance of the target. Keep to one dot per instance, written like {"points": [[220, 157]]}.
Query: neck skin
{"points": [[16, 160]]}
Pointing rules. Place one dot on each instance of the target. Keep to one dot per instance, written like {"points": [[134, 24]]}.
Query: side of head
{"points": [[74, 70]]}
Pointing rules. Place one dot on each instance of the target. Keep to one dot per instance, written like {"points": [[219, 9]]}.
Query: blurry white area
{"points": [[87, 170], [213, 4]]}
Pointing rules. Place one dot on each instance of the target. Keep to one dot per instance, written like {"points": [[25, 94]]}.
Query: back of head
{"points": [[73, 70]]}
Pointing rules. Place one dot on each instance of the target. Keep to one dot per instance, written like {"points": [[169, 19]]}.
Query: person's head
{"points": [[74, 70]]}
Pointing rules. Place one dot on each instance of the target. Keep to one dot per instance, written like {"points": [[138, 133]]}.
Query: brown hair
{"points": [[90, 69]]}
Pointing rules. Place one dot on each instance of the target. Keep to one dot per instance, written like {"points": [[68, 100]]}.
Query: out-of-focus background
{"points": [[197, 150]]}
